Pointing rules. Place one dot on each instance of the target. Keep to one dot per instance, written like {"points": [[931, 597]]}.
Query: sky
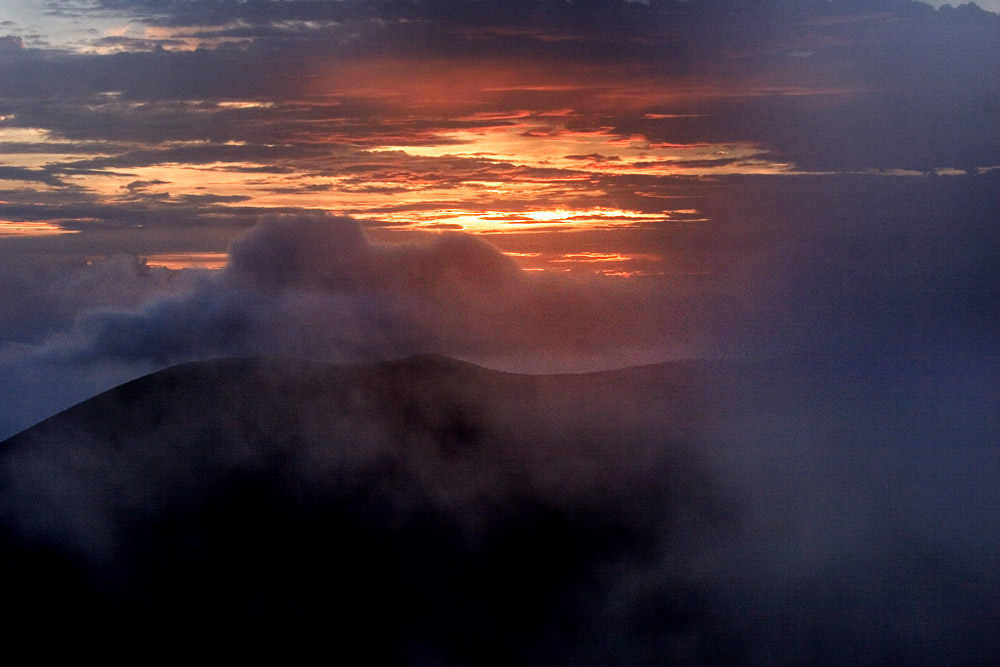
{"points": [[536, 185]]}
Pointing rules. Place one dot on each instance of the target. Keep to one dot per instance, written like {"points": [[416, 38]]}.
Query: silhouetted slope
{"points": [[431, 512], [425, 511]]}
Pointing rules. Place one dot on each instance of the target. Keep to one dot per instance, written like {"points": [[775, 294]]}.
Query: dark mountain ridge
{"points": [[428, 511], [425, 507]]}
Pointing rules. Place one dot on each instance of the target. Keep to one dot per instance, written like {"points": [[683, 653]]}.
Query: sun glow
{"points": [[530, 144], [498, 221], [189, 260]]}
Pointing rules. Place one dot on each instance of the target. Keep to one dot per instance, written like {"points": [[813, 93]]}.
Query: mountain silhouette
{"points": [[430, 512], [424, 511]]}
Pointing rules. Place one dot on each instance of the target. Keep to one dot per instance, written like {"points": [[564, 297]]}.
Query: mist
{"points": [[812, 481], [429, 511]]}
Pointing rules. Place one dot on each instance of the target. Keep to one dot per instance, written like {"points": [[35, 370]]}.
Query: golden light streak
{"points": [[176, 179], [600, 257], [39, 160], [25, 135], [631, 274], [595, 151], [608, 264], [188, 38], [188, 260], [664, 116], [499, 221], [244, 105], [10, 228]]}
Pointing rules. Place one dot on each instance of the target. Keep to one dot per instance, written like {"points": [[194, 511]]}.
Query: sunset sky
{"points": [[642, 180], [393, 238]]}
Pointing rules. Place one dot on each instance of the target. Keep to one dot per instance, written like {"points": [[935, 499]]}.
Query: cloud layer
{"points": [[313, 287], [805, 274], [807, 189], [378, 109]]}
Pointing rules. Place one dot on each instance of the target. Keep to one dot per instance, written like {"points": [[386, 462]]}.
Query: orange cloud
{"points": [[189, 260], [37, 228]]}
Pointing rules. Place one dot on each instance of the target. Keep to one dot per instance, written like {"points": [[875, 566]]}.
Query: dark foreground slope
{"points": [[419, 512], [430, 512]]}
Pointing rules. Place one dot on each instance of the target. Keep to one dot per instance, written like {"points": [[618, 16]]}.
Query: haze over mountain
{"points": [[539, 185], [432, 512], [794, 203]]}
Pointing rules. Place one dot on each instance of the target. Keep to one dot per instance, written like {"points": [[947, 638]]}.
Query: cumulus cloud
{"points": [[895, 274], [333, 255], [42, 294], [315, 286], [11, 42]]}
